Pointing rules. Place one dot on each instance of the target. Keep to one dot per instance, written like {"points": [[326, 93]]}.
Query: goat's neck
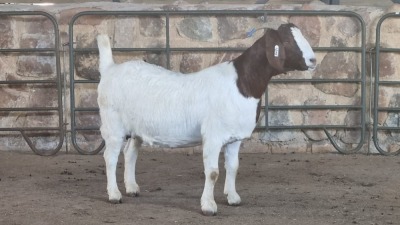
{"points": [[254, 71]]}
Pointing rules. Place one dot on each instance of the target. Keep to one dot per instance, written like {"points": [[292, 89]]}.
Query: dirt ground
{"points": [[276, 189]]}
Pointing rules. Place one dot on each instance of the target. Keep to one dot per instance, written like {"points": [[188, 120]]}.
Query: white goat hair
{"points": [[215, 107]]}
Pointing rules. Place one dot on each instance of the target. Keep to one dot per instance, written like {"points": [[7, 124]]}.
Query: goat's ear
{"points": [[275, 50]]}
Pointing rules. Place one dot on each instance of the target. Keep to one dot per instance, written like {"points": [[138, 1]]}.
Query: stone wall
{"points": [[199, 31]]}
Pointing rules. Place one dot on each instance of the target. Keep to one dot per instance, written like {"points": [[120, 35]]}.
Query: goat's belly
{"points": [[170, 141], [171, 136]]}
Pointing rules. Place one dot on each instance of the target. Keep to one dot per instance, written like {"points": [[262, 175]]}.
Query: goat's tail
{"points": [[104, 46]]}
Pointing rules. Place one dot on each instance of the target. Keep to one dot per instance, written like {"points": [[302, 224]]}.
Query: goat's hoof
{"points": [[132, 190], [209, 208], [114, 196], [234, 199], [209, 213], [234, 203], [133, 194], [116, 201]]}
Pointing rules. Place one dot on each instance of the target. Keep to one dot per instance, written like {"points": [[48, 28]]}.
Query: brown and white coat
{"points": [[215, 107]]}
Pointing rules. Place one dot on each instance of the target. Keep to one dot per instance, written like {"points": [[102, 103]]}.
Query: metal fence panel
{"points": [[55, 82], [379, 85], [167, 50]]}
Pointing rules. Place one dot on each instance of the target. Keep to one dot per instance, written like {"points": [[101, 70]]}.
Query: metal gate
{"points": [[167, 50], [392, 111], [38, 83]]}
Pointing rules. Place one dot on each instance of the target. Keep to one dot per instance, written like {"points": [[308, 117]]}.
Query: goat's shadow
{"points": [[187, 202]]}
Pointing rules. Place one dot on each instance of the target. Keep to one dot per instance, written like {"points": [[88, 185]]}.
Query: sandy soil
{"points": [[278, 189]]}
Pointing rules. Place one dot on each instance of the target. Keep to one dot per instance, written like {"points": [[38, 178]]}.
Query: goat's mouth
{"points": [[311, 68]]}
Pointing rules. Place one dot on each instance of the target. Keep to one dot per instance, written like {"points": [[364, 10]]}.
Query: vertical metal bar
{"points": [[376, 91], [72, 81], [266, 107], [371, 91], [167, 44], [65, 98]]}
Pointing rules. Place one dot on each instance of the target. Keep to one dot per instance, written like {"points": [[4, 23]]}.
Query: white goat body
{"points": [[216, 107], [172, 109]]}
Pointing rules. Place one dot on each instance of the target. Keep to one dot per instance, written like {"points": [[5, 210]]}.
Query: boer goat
{"points": [[215, 107]]}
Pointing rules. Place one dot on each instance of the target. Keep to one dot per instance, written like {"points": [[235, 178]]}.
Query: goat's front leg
{"points": [[210, 159], [231, 167], [130, 154], [113, 148]]}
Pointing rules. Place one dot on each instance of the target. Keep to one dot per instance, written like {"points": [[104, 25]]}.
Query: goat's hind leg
{"points": [[231, 167], [113, 148], [130, 154]]}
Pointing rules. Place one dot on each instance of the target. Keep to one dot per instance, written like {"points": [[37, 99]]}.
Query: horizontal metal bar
{"points": [[28, 50], [389, 50], [19, 129], [207, 49], [316, 107], [311, 127], [86, 81], [388, 128], [221, 12], [271, 107], [338, 49], [88, 109], [85, 50], [32, 109], [387, 82], [25, 13], [389, 109], [272, 81], [333, 49], [316, 80], [29, 82]]}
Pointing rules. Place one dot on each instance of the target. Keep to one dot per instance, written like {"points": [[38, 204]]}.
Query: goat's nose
{"points": [[313, 62]]}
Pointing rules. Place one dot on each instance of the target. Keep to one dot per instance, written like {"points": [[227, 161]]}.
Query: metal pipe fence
{"points": [[55, 82], [168, 50], [378, 86]]}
